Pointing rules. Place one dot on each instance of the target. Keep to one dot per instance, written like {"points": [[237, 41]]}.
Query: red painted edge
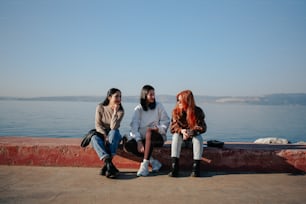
{"points": [[246, 157]]}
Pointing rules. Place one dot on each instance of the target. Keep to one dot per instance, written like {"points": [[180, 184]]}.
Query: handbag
{"points": [[215, 143], [87, 137]]}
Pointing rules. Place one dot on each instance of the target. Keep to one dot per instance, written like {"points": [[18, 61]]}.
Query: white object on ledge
{"points": [[271, 140]]}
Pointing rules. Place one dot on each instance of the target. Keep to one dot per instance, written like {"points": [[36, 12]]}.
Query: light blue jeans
{"points": [[176, 146], [98, 144]]}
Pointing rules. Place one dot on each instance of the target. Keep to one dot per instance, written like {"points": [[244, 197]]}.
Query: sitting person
{"points": [[187, 123], [107, 122], [149, 126]]}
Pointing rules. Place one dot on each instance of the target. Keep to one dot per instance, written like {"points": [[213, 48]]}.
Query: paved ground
{"points": [[28, 184]]}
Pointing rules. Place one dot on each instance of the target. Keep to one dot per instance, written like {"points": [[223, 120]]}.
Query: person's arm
{"points": [[201, 124], [164, 120], [116, 118], [175, 126], [98, 120], [135, 124]]}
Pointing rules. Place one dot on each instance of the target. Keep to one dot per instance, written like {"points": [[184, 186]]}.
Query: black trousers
{"points": [[156, 141]]}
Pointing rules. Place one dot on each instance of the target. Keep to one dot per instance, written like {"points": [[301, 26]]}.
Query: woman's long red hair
{"points": [[188, 103]]}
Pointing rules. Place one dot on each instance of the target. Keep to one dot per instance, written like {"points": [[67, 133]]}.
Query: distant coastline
{"points": [[271, 99]]}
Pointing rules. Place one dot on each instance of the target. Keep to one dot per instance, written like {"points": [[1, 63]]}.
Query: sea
{"points": [[225, 122]]}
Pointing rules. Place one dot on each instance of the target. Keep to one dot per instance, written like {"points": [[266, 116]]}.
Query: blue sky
{"points": [[217, 48]]}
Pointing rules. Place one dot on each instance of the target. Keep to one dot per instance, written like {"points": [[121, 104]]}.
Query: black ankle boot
{"points": [[196, 169], [103, 170], [114, 167], [175, 167], [111, 170]]}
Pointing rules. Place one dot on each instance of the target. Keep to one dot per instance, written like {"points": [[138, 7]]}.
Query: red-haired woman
{"points": [[187, 123]]}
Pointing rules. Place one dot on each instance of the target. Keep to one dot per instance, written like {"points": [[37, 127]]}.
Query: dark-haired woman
{"points": [[107, 122], [149, 126], [187, 123]]}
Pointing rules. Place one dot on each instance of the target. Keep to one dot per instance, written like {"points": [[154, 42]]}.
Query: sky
{"points": [[212, 47]]}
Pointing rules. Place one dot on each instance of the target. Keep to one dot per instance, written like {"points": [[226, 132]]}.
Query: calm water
{"points": [[226, 122]]}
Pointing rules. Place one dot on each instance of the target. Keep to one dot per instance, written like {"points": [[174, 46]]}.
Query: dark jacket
{"points": [[179, 122]]}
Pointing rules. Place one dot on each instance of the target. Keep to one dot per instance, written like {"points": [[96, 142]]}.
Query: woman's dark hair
{"points": [[111, 92], [143, 98]]}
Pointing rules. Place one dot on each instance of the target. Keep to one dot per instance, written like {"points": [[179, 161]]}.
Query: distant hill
{"points": [[271, 99]]}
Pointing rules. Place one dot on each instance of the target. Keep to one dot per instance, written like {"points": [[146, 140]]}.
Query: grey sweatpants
{"points": [[176, 146]]}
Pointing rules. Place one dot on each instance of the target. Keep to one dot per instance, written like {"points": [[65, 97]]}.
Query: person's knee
{"points": [[176, 136], [198, 139], [114, 135], [95, 139]]}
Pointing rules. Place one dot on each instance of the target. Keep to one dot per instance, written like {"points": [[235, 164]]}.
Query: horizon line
{"points": [[59, 96]]}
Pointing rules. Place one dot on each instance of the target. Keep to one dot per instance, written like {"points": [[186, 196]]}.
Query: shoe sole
{"points": [[112, 176], [140, 175]]}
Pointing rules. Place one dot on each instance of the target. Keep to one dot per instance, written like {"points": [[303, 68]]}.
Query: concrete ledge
{"points": [[233, 157]]}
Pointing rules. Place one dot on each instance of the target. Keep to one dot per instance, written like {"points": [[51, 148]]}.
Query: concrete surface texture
{"points": [[32, 184]]}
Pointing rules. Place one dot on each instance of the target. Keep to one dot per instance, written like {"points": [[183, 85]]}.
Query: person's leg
{"points": [[153, 139], [176, 146], [156, 141], [197, 142], [148, 145], [197, 155], [99, 147], [144, 166], [131, 146], [114, 137]]}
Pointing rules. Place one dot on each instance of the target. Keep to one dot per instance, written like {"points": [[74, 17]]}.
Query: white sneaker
{"points": [[156, 165], [143, 170]]}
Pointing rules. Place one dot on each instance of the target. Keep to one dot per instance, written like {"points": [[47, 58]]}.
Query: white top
{"points": [[142, 119]]}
